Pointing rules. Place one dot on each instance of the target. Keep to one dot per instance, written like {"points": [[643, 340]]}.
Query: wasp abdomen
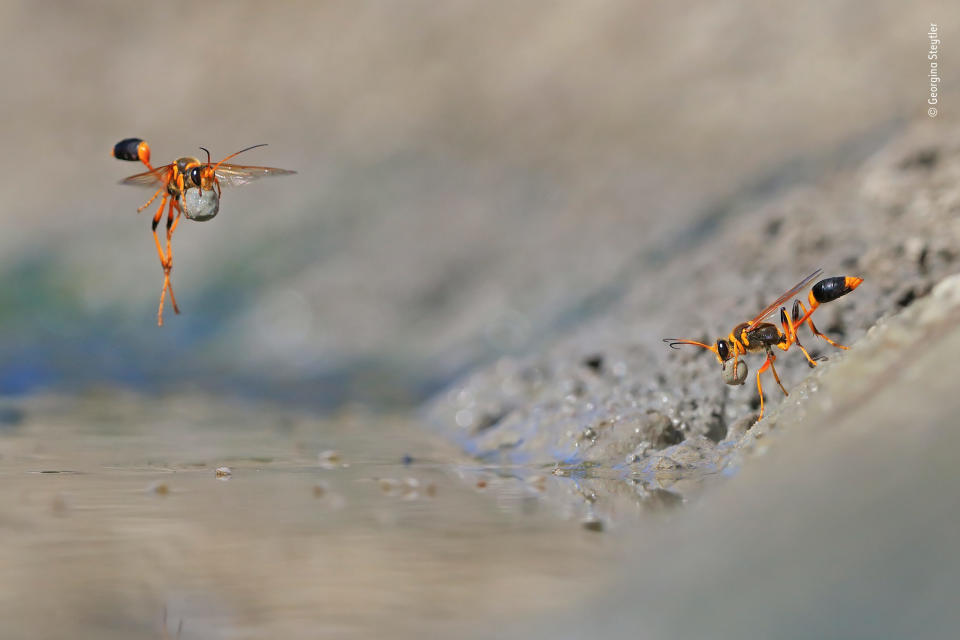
{"points": [[128, 149], [830, 289]]}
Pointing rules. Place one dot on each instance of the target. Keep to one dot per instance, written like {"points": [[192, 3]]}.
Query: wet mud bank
{"points": [[611, 400], [841, 523]]}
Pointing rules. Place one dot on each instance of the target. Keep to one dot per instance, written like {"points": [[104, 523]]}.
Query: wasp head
{"points": [[202, 175]]}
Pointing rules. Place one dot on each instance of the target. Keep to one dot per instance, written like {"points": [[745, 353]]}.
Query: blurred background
{"points": [[474, 178]]}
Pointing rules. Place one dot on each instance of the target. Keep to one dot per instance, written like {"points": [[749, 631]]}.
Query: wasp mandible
{"points": [[757, 336], [188, 187]]}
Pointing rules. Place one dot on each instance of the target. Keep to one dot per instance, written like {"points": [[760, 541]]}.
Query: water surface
{"points": [[353, 526]]}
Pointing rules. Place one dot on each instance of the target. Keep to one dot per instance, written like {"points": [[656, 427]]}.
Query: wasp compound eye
{"points": [[195, 176], [723, 350]]}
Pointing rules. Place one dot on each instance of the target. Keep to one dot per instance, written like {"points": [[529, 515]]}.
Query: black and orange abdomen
{"points": [[830, 289], [827, 290], [130, 149]]}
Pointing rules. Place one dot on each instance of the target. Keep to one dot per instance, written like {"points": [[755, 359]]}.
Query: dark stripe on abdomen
{"points": [[127, 148], [830, 289]]}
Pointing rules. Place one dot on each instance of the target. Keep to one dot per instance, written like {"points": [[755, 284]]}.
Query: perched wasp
{"points": [[757, 336], [191, 188]]}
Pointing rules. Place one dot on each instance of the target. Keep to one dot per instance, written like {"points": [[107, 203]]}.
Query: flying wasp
{"points": [[187, 187], [758, 336]]}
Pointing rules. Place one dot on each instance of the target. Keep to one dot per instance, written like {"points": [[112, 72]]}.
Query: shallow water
{"points": [[349, 527]]}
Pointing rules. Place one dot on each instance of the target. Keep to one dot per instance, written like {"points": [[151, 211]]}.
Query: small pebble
{"points": [[593, 524], [159, 488], [538, 483], [330, 459], [741, 371], [59, 505], [388, 485]]}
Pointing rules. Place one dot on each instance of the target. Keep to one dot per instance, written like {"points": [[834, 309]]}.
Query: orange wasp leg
{"points": [[772, 358], [171, 226], [168, 265], [768, 364], [790, 330], [825, 291], [152, 198], [813, 328], [167, 261], [156, 221]]}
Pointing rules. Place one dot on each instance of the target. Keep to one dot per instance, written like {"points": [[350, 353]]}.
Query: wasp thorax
{"points": [[200, 204]]}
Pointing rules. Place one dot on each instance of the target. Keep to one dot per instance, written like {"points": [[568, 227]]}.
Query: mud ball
{"points": [[728, 371], [198, 205]]}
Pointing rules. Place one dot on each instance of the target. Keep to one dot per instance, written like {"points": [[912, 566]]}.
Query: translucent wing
{"points": [[794, 290], [151, 179], [234, 175]]}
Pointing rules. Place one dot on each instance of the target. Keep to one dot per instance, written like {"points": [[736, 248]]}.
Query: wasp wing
{"points": [[792, 291], [234, 175], [153, 179]]}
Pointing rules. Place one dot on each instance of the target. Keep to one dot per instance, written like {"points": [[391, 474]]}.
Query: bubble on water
{"points": [[465, 418], [464, 397]]}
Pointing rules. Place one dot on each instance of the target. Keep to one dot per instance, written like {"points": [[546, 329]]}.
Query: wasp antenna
{"points": [[263, 144], [238, 153], [673, 342], [208, 155]]}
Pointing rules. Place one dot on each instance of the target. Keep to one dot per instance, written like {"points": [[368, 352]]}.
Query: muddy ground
{"points": [[614, 395], [841, 523]]}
